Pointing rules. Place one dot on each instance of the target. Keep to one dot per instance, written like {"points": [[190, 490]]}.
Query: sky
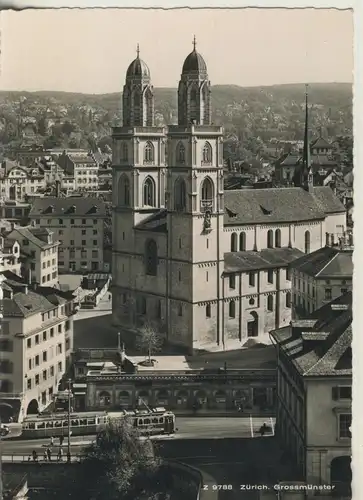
{"points": [[89, 50]]}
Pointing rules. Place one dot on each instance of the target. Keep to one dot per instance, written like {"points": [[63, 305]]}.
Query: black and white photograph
{"points": [[176, 254]]}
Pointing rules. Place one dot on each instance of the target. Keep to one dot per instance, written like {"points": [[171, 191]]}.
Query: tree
{"points": [[149, 340], [120, 466]]}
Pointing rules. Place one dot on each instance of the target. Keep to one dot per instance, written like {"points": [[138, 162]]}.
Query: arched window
{"points": [[207, 194], [124, 191], [149, 152], [148, 110], [180, 153], [270, 239], [124, 152], [278, 238], [149, 192], [151, 258], [207, 154], [232, 309], [307, 241], [207, 311], [193, 104], [242, 242], [270, 303], [233, 242], [179, 195]]}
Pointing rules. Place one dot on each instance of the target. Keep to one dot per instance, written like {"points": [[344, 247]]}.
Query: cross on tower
{"points": [[138, 50], [194, 42]]}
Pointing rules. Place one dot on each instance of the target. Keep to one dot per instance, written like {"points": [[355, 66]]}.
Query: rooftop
{"points": [[326, 262], [257, 206], [322, 348], [39, 237], [71, 207], [268, 258]]}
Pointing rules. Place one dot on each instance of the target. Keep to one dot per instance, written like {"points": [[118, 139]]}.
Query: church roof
{"points": [[155, 223], [316, 354], [268, 258], [257, 206], [138, 68], [326, 262], [194, 62]]}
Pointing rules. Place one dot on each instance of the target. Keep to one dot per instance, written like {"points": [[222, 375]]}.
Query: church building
{"points": [[209, 267]]}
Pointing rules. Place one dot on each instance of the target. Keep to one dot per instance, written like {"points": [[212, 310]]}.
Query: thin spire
{"points": [[306, 157], [194, 43], [138, 50]]}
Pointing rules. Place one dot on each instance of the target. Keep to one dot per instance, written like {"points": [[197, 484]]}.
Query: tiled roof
{"points": [[63, 206], [321, 355], [320, 142], [156, 223], [25, 304], [326, 262], [290, 160], [81, 158], [268, 258], [271, 205], [27, 234]]}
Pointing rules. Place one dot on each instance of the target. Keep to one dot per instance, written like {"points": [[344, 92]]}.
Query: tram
{"points": [[153, 421]]}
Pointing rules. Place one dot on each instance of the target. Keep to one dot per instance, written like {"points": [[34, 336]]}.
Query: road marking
{"points": [[272, 426], [251, 425]]}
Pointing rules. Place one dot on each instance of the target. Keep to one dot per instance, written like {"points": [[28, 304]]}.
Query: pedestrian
{"points": [[109, 296], [10, 420], [52, 441], [45, 456], [60, 455], [49, 454], [61, 439], [68, 456], [35, 456]]}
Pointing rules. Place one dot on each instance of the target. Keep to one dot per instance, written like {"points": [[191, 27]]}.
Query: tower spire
{"points": [[138, 51], [307, 173], [194, 43]]}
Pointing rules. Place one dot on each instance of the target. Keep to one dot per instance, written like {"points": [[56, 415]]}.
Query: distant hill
{"points": [[265, 112]]}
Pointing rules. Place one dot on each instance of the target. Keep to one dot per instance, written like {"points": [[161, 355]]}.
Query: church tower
{"points": [[305, 176], [195, 212], [138, 173]]}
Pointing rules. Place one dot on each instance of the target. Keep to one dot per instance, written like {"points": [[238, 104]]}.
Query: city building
{"points": [[314, 393], [323, 275], [10, 250], [174, 224], [39, 252], [36, 339], [17, 182], [78, 224], [110, 379], [83, 168]]}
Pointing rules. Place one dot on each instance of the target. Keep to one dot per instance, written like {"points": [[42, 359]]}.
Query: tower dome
{"points": [[138, 68], [194, 62]]}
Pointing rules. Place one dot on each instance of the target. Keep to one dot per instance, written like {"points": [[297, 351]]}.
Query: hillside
{"points": [[266, 112]]}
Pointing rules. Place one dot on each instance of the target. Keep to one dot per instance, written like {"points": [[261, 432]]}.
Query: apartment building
{"points": [[39, 251], [323, 275], [17, 182], [36, 340], [83, 168], [314, 394], [78, 224], [10, 250]]}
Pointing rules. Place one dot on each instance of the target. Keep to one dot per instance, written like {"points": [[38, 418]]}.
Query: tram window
{"points": [[140, 421], [65, 423], [32, 425], [161, 420], [135, 423], [41, 425], [155, 420], [91, 421], [49, 425], [74, 423], [57, 423], [147, 421], [83, 421]]}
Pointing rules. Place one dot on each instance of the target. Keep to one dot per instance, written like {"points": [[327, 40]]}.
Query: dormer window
{"points": [[265, 210]]}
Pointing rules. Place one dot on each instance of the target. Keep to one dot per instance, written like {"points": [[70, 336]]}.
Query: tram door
{"points": [[169, 424]]}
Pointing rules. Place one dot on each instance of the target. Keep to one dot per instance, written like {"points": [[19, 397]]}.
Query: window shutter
{"points": [[335, 393]]}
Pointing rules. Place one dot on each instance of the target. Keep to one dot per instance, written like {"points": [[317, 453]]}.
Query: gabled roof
{"points": [[271, 205], [28, 234], [268, 258], [320, 142], [59, 207], [321, 355], [326, 262]]}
